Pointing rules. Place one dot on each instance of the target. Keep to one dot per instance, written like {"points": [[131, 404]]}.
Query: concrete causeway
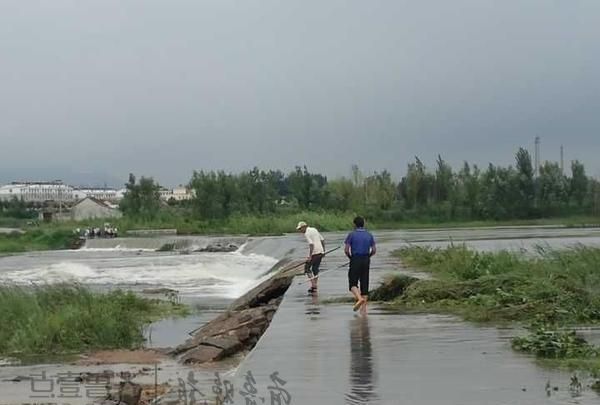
{"points": [[327, 354]]}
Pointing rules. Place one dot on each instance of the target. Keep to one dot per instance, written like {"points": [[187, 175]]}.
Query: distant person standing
{"points": [[359, 247], [316, 251]]}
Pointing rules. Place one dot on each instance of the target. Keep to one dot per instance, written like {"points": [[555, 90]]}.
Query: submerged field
{"points": [[72, 319], [549, 293]]}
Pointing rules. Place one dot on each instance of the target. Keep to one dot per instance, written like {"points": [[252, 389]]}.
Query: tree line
{"points": [[440, 193], [17, 208]]}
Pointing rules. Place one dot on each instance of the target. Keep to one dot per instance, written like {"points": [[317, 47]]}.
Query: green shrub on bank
{"points": [[555, 344], [45, 238], [275, 224], [548, 291], [66, 318], [553, 286]]}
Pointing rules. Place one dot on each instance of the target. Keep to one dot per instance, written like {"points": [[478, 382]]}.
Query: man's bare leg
{"points": [[359, 299], [363, 308], [356, 292]]}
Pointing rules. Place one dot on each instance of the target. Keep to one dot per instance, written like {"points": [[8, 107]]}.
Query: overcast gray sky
{"points": [[164, 87]]}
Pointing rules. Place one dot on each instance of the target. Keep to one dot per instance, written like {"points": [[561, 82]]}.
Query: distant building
{"points": [[103, 194], [56, 191], [93, 208], [165, 193], [180, 193], [37, 191]]}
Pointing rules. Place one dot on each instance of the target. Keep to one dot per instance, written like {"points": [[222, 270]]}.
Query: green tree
{"points": [[380, 190], [553, 189], [579, 183], [342, 195], [215, 195], [260, 190], [525, 185], [416, 184], [141, 199], [468, 191], [306, 188], [444, 181], [499, 193]]}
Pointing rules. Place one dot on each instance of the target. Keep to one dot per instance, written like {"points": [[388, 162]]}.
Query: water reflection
{"points": [[312, 307], [362, 379]]}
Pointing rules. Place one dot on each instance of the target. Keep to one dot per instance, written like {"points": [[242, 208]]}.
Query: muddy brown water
{"points": [[328, 354]]}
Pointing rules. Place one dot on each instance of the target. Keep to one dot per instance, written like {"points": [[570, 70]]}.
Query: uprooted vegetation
{"points": [[548, 292]]}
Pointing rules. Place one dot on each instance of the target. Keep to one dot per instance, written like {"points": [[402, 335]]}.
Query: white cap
{"points": [[300, 225]]}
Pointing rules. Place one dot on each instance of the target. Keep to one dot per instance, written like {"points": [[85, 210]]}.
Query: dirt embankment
{"points": [[239, 329]]}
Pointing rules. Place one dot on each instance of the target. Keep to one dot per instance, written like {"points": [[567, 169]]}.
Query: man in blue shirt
{"points": [[359, 247]]}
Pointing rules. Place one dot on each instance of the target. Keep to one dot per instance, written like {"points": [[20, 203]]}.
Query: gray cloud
{"points": [[162, 88]]}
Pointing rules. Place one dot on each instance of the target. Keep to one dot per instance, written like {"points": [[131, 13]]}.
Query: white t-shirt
{"points": [[314, 238]]}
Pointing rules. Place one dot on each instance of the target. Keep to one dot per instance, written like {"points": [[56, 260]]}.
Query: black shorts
{"points": [[359, 272], [313, 265]]}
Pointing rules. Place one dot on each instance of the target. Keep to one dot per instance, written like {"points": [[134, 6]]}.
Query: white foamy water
{"points": [[226, 275]]}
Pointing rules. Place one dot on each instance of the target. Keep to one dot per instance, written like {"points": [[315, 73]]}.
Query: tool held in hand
{"points": [[325, 272], [307, 271], [303, 263]]}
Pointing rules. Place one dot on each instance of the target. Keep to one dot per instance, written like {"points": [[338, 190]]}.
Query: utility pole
{"points": [[59, 201], [596, 196], [562, 159]]}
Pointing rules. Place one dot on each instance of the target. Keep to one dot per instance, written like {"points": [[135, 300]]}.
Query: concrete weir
{"points": [[240, 327]]}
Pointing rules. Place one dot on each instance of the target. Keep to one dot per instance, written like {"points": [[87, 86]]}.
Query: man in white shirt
{"points": [[316, 250]]}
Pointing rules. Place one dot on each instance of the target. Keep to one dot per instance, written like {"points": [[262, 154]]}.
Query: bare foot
{"points": [[358, 304]]}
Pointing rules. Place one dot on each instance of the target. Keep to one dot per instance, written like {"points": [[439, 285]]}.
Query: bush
{"points": [[392, 287], [554, 286], [554, 344], [66, 318]]}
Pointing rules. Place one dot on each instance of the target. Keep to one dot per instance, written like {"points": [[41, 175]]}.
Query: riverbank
{"points": [[549, 293], [60, 235], [34, 239], [206, 282], [72, 319]]}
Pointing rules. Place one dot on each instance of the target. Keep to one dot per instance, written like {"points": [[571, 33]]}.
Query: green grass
{"points": [[285, 222], [568, 221], [555, 286], [276, 224], [70, 318], [42, 238], [549, 293]]}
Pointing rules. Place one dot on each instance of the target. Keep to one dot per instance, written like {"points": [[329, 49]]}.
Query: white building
{"points": [[178, 194], [37, 191], [182, 193], [103, 194], [56, 191]]}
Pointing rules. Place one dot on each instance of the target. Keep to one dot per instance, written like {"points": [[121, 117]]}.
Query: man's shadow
{"points": [[361, 377]]}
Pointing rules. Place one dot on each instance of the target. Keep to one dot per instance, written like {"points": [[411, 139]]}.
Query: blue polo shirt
{"points": [[361, 241]]}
